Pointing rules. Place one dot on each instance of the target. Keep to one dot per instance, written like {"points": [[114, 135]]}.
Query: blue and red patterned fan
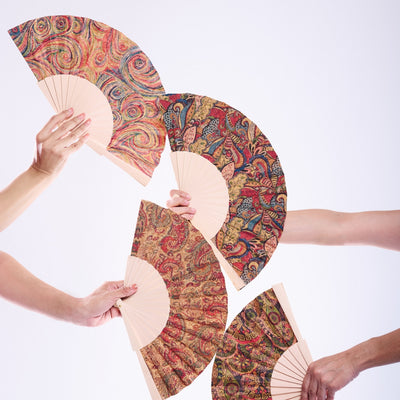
{"points": [[222, 159]]}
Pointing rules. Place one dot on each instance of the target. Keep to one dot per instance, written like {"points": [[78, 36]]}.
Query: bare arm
{"points": [[376, 228], [61, 137], [18, 285], [325, 227], [328, 375], [54, 143]]}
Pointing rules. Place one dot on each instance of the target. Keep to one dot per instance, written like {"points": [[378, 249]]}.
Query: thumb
{"points": [[124, 291]]}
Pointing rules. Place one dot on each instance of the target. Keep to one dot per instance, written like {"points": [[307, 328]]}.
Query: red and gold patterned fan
{"points": [[177, 318], [240, 196], [262, 355], [95, 69]]}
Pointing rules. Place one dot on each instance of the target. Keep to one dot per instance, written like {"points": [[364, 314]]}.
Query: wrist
{"points": [[68, 308], [58, 304], [38, 169], [77, 314], [363, 355], [38, 174]]}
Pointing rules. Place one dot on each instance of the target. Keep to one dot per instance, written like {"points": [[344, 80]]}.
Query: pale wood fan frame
{"points": [[146, 313], [189, 168], [290, 369], [64, 91]]}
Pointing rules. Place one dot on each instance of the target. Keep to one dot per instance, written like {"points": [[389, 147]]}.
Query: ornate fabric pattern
{"points": [[250, 348], [115, 64], [250, 166], [198, 299]]}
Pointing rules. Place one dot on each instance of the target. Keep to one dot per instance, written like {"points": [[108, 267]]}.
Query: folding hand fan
{"points": [[262, 355], [240, 196], [95, 69], [177, 318]]}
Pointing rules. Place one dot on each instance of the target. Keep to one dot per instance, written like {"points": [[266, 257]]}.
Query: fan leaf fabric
{"points": [[250, 166], [250, 348], [198, 299], [92, 50]]}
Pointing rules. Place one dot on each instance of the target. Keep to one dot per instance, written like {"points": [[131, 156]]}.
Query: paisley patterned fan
{"points": [[262, 355], [174, 352], [244, 158], [95, 69]]}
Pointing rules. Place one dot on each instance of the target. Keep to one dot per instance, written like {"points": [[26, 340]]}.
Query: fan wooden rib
{"points": [[146, 312], [202, 180], [289, 371], [209, 196], [65, 91]]}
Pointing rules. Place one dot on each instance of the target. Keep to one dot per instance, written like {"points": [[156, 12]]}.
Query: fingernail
{"points": [[81, 117], [88, 122], [70, 111]]}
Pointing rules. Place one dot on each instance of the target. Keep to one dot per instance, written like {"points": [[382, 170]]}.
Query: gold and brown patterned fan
{"points": [[234, 177], [95, 69], [262, 355], [176, 319]]}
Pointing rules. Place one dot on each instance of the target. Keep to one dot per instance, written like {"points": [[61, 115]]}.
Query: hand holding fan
{"points": [[95, 69], [262, 355], [176, 319], [234, 177]]}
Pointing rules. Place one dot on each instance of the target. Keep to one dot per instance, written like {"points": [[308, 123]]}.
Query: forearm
{"points": [[374, 228], [19, 286], [17, 196], [376, 351], [313, 227], [325, 227]]}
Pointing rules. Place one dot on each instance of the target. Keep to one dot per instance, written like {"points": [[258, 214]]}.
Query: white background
{"points": [[321, 80]]}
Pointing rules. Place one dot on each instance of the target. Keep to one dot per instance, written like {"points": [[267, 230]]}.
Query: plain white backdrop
{"points": [[321, 80]]}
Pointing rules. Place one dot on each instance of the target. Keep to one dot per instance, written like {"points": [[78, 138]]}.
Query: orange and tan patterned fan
{"points": [[234, 177], [95, 69], [177, 318], [262, 355]]}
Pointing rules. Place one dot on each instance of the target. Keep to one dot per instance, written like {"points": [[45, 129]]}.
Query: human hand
{"points": [[59, 138], [179, 203], [326, 376], [98, 308]]}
